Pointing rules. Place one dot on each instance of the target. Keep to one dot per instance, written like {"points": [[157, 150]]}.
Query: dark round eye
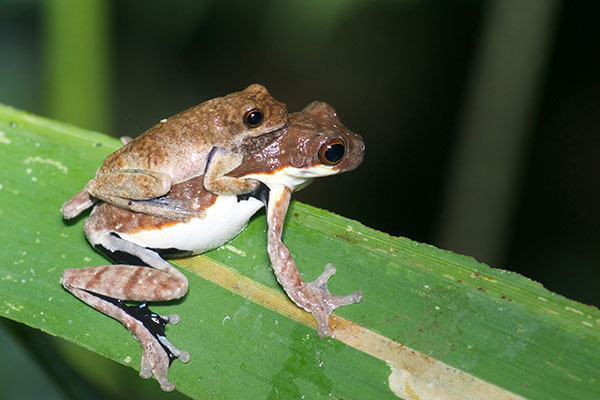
{"points": [[332, 152], [253, 118]]}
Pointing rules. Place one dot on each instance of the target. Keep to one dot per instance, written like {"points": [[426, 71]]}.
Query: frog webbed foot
{"points": [[321, 303], [158, 352], [157, 363], [147, 327]]}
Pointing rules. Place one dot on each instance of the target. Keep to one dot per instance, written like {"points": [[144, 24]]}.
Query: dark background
{"points": [[406, 75]]}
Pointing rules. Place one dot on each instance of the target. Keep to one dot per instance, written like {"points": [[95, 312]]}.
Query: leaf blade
{"points": [[496, 325]]}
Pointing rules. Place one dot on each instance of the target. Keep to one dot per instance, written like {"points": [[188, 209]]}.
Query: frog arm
{"points": [[313, 296], [220, 162]]}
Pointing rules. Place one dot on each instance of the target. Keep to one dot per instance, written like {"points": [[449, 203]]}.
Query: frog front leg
{"points": [[220, 162], [107, 287], [313, 296]]}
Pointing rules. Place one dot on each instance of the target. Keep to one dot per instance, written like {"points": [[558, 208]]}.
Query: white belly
{"points": [[224, 220]]}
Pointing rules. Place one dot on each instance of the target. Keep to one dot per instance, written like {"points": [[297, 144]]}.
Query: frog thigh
{"points": [[134, 184]]}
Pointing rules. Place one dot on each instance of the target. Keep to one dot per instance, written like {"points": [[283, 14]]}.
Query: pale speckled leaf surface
{"points": [[492, 324]]}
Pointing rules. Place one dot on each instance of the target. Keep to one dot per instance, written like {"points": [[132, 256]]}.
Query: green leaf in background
{"points": [[432, 324]]}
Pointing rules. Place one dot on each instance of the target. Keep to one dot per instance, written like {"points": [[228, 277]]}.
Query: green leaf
{"points": [[432, 323]]}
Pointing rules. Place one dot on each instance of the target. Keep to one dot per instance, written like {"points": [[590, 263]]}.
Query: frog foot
{"points": [[321, 303], [172, 351], [157, 363], [157, 351], [147, 327]]}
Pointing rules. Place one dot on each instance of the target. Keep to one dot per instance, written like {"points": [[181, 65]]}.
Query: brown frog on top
{"points": [[209, 139], [315, 144]]}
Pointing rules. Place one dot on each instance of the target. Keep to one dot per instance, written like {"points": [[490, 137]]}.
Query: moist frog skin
{"points": [[209, 139], [315, 144]]}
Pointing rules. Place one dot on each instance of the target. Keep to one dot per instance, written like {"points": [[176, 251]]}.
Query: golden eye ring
{"points": [[253, 118], [332, 152]]}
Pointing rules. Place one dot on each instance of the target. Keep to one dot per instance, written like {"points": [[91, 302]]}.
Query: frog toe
{"points": [[184, 357], [173, 351], [172, 319], [156, 362]]}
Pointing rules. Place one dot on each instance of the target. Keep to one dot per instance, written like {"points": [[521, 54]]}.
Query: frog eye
{"points": [[253, 118], [332, 152]]}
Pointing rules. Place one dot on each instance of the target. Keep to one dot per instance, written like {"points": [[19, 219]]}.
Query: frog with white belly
{"points": [[314, 144]]}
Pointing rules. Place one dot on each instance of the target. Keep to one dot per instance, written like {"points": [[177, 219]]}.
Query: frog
{"points": [[209, 139], [314, 144]]}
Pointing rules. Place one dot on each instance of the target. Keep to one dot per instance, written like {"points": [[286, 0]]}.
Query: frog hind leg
{"points": [[107, 287], [132, 184], [143, 192]]}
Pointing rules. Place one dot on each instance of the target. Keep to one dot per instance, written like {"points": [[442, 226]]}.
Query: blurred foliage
{"points": [[75, 46]]}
